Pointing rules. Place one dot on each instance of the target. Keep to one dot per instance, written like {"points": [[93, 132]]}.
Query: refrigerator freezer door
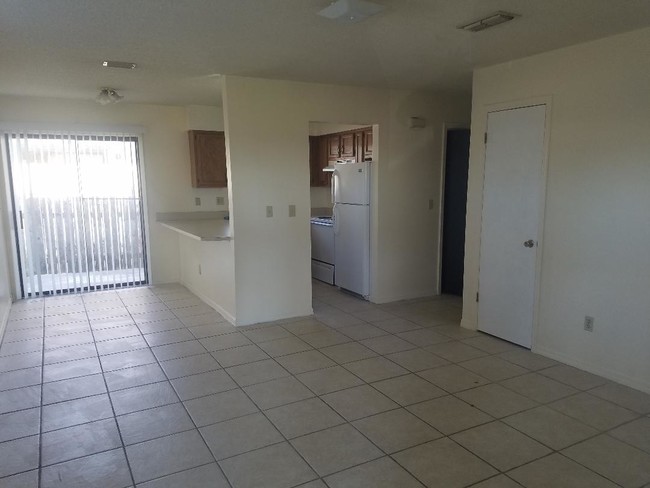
{"points": [[352, 248], [352, 183]]}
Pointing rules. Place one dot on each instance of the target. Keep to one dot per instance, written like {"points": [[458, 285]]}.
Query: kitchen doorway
{"points": [[78, 211], [454, 206]]}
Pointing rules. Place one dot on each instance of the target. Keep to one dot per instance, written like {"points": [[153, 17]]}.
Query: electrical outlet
{"points": [[431, 204], [197, 201], [269, 211], [292, 210], [589, 323], [220, 201]]}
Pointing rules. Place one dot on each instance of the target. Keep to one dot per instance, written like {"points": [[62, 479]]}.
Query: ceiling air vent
{"points": [[489, 21], [118, 64]]}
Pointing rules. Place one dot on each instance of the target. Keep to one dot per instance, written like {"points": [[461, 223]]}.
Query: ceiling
{"points": [[55, 47]]}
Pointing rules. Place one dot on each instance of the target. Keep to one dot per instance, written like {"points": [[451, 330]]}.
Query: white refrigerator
{"points": [[351, 196]]}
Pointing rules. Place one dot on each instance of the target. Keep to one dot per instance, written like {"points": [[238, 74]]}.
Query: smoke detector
{"points": [[351, 11], [108, 96], [489, 21]]}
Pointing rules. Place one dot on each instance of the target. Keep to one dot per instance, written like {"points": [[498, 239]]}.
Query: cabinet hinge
{"points": [[477, 296]]}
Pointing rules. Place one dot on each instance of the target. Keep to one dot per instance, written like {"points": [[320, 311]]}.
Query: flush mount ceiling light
{"points": [[351, 11], [489, 21], [119, 64], [107, 96]]}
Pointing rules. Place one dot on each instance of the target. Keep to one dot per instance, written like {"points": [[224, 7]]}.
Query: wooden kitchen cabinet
{"points": [[367, 144], [334, 146], [348, 149], [208, 159], [318, 159]]}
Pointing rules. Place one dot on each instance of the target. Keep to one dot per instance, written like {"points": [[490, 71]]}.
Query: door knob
{"points": [[529, 243]]}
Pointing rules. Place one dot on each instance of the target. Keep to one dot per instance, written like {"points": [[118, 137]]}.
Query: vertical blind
{"points": [[78, 211]]}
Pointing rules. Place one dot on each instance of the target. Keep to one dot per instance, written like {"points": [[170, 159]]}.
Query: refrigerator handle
{"points": [[332, 191]]}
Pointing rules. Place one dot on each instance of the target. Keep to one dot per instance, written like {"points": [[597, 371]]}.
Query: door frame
{"points": [[446, 127], [547, 101]]}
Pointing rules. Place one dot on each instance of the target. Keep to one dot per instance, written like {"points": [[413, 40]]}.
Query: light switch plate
{"points": [[269, 211], [292, 210], [220, 201], [197, 201]]}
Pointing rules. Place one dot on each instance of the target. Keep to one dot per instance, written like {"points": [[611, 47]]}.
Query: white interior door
{"points": [[512, 193]]}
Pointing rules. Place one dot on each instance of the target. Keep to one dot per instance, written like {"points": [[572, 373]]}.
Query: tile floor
{"points": [[149, 387]]}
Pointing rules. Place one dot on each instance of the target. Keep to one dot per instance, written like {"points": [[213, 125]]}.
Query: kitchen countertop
{"points": [[211, 226]]}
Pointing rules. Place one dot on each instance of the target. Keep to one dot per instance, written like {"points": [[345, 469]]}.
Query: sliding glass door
{"points": [[78, 211]]}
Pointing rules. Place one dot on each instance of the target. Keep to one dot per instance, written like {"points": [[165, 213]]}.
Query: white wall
{"points": [[595, 254], [267, 129], [166, 157], [214, 283]]}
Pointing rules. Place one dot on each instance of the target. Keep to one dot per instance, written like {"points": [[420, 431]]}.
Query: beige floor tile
{"points": [[558, 472], [243, 434], [619, 462], [155, 422], [449, 414], [177, 368], [328, 380], [358, 402], [277, 392], [636, 433], [456, 351], [417, 360], [381, 473], [396, 430], [496, 400], [203, 476], [550, 427], [335, 449], [167, 455], [573, 377], [239, 355], [202, 384], [305, 361], [325, 338], [22, 480], [222, 406], [107, 469], [493, 368], [307, 326], [624, 396], [593, 411], [285, 346], [375, 369], [257, 372], [19, 455], [453, 378], [500, 445], [538, 387], [396, 325], [263, 334], [527, 359], [304, 417], [408, 389], [277, 466], [490, 344], [444, 463], [455, 331], [348, 352], [387, 344], [362, 331], [423, 337], [501, 481], [78, 441]]}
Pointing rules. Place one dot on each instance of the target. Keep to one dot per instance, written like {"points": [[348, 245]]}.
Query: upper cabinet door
{"points": [[208, 159], [334, 146], [347, 145], [367, 144]]}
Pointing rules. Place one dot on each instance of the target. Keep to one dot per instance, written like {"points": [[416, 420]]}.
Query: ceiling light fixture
{"points": [[119, 64], [351, 11], [108, 96], [489, 21]]}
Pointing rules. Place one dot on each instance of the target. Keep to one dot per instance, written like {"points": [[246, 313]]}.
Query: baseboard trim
{"points": [[626, 380], [405, 296], [227, 315]]}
